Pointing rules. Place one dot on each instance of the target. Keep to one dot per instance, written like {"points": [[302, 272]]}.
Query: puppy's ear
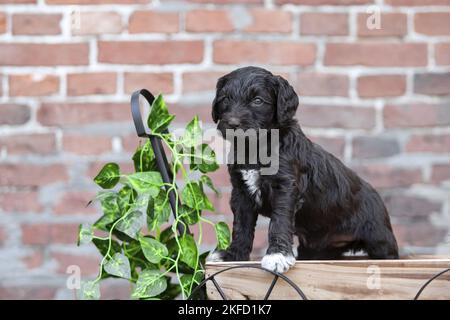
{"points": [[220, 83], [287, 101]]}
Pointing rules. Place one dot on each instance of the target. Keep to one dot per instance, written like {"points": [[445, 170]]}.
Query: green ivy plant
{"points": [[140, 241]]}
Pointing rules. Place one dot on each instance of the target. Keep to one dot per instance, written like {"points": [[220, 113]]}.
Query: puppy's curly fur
{"points": [[313, 195]]}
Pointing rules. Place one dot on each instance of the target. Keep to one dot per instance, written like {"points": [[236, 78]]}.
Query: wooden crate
{"points": [[337, 279]]}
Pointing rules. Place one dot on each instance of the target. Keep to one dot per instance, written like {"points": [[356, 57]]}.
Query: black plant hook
{"points": [[158, 150]]}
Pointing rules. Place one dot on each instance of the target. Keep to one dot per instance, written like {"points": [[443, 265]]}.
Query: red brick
{"points": [[345, 117], [221, 177], [324, 24], [391, 25], [115, 291], [185, 112], [277, 53], [376, 54], [155, 82], [14, 114], [35, 259], [440, 173], [88, 264], [96, 1], [33, 85], [44, 54], [80, 84], [28, 292], [268, 20], [208, 21], [91, 23], [36, 24], [200, 81], [385, 176], [2, 22], [324, 2], [131, 142], [413, 207], [75, 202], [153, 21], [154, 52], [3, 236], [421, 234], [373, 86], [416, 115], [46, 233], [432, 83], [27, 201], [227, 1], [417, 2], [321, 84], [222, 202], [36, 143], [432, 23], [31, 175], [332, 145], [86, 144], [69, 114], [429, 143], [442, 53], [374, 147]]}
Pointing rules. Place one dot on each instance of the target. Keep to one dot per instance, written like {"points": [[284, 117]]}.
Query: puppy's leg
{"points": [[244, 223]]}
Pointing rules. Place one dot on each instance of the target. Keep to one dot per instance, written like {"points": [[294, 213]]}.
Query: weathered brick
{"points": [[321, 84], [47, 233], [70, 114], [2, 22], [417, 2], [31, 175], [277, 53], [324, 2], [156, 82], [440, 173], [442, 53], [44, 54], [36, 24], [185, 112], [88, 264], [269, 20], [432, 83], [404, 206], [429, 143], [372, 86], [35, 259], [28, 292], [391, 25], [26, 201], [154, 52], [96, 1], [222, 202], [333, 145], [14, 114], [226, 1], [153, 21], [420, 234], [208, 21], [416, 115], [3, 236], [75, 202], [83, 144], [200, 81], [91, 23], [79, 84], [376, 54], [346, 117], [432, 23], [324, 24], [36, 143], [33, 85], [385, 176], [375, 147]]}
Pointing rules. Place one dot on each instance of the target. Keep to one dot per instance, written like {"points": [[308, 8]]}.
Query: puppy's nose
{"points": [[234, 122]]}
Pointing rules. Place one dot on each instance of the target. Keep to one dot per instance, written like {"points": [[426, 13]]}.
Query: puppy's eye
{"points": [[257, 101]]}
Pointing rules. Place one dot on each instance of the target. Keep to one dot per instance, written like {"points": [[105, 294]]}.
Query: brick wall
{"points": [[378, 99]]}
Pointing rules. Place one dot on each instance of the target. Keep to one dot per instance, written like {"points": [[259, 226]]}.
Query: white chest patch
{"points": [[251, 180]]}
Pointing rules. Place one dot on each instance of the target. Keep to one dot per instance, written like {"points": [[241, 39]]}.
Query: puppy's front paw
{"points": [[277, 262], [215, 256]]}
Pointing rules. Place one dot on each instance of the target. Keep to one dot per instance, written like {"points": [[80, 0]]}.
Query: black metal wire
{"points": [[266, 296], [429, 281]]}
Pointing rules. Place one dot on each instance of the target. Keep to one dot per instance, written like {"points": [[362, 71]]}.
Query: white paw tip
{"points": [[214, 257], [277, 262]]}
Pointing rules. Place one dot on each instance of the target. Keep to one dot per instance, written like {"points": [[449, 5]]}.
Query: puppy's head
{"points": [[253, 98]]}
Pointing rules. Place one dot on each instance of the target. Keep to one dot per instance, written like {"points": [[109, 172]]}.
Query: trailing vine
{"points": [[139, 239]]}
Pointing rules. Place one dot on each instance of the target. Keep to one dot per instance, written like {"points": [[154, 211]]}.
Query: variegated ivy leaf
{"points": [[189, 252], [194, 197], [149, 284], [110, 208], [193, 134], [159, 117], [118, 266], [153, 250], [85, 234], [89, 290], [108, 176], [146, 182], [158, 210], [132, 224], [207, 180], [223, 235]]}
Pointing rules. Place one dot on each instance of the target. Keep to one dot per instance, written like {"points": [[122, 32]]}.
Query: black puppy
{"points": [[313, 195]]}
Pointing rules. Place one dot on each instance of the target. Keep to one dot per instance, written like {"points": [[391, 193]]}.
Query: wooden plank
{"points": [[336, 280]]}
